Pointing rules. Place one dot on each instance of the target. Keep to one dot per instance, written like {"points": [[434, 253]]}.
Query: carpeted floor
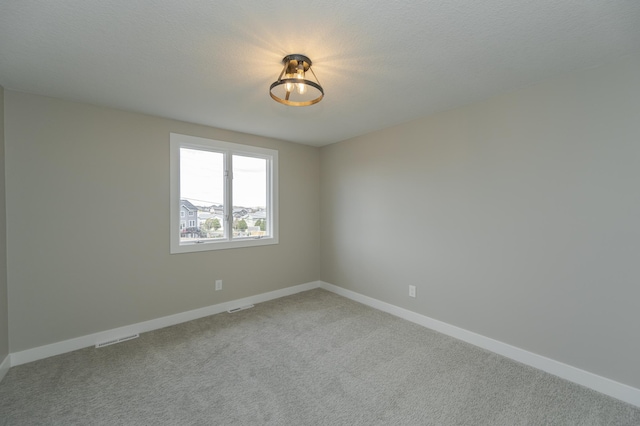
{"points": [[313, 358]]}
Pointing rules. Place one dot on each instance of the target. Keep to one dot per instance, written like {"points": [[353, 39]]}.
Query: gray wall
{"points": [[4, 307], [78, 264], [516, 218]]}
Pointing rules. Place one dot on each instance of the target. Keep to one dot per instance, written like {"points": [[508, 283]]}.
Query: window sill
{"points": [[222, 245]]}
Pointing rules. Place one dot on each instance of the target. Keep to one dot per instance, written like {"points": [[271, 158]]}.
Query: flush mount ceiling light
{"points": [[292, 86]]}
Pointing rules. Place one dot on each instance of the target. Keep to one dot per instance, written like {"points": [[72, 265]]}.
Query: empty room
{"points": [[320, 213]]}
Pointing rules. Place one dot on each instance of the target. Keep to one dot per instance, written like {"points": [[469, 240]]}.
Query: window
{"points": [[230, 191]]}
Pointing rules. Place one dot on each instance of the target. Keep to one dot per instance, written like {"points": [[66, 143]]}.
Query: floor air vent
{"points": [[118, 340], [241, 308]]}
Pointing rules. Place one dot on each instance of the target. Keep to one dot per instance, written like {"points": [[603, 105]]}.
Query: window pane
{"points": [[201, 195], [250, 215]]}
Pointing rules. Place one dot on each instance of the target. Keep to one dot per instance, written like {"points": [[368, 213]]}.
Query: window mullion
{"points": [[228, 190]]}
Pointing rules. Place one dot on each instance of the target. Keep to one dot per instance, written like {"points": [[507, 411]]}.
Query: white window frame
{"points": [[178, 141]]}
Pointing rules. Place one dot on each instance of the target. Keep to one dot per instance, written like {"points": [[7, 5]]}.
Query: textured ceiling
{"points": [[381, 62]]}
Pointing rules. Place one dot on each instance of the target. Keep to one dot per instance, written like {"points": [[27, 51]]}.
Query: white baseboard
{"points": [[600, 384], [4, 366], [58, 348]]}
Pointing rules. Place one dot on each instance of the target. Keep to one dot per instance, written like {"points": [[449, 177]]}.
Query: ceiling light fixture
{"points": [[293, 87]]}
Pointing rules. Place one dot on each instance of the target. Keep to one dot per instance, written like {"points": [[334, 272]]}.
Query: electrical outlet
{"points": [[412, 291], [218, 285]]}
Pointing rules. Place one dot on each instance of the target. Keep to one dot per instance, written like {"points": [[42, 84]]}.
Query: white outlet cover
{"points": [[412, 291]]}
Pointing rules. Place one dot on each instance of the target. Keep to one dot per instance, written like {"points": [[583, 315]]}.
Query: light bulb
{"points": [[302, 88], [288, 86]]}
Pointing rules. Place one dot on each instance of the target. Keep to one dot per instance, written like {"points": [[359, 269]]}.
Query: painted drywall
{"points": [[516, 218], [4, 307], [88, 223]]}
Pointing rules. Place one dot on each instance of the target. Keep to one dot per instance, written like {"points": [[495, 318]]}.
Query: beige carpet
{"points": [[313, 358]]}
